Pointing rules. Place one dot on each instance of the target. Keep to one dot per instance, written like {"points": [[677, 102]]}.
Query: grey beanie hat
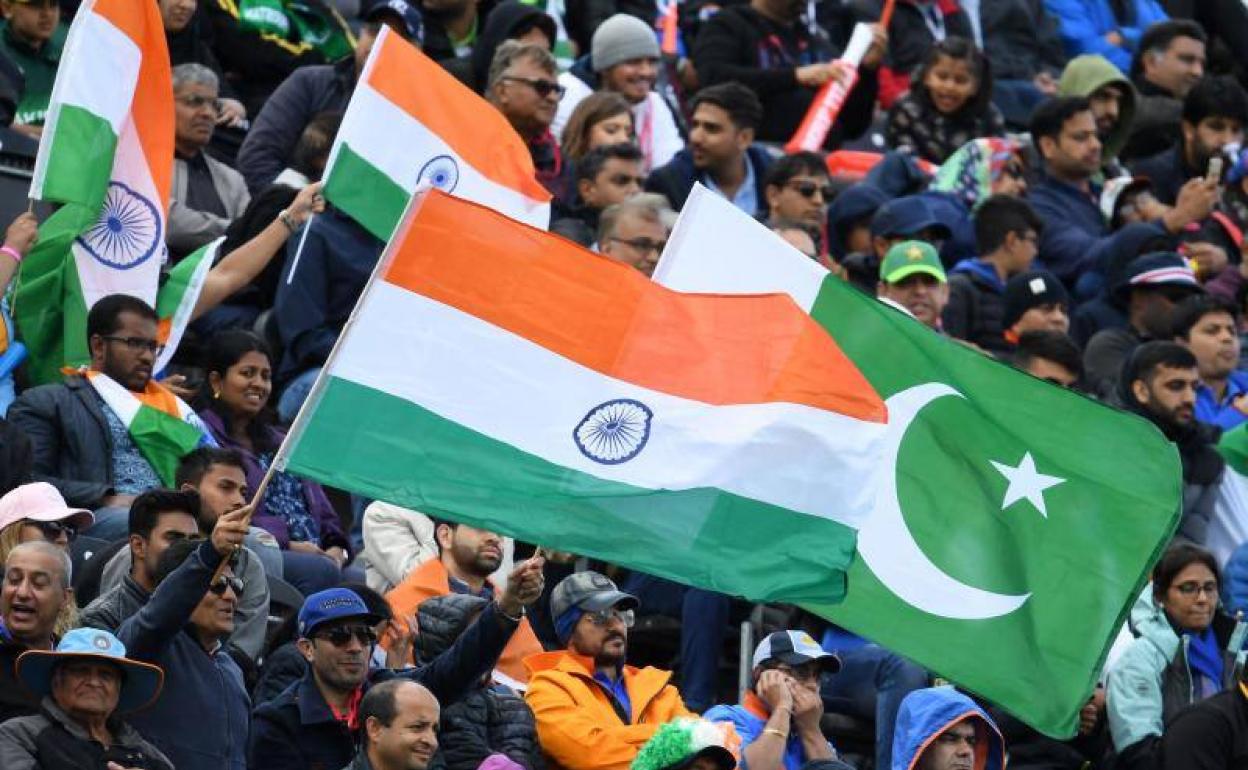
{"points": [[621, 38]]}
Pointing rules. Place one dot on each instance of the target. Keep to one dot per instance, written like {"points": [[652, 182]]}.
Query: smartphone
{"points": [[1214, 173]]}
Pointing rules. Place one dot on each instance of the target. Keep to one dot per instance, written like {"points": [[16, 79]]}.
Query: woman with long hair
{"points": [[600, 119]]}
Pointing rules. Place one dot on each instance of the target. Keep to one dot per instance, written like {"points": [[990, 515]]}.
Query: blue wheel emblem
{"points": [[442, 172], [614, 432], [127, 233]]}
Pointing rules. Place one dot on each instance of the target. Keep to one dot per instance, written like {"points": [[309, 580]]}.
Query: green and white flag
{"points": [[1017, 520], [1229, 527]]}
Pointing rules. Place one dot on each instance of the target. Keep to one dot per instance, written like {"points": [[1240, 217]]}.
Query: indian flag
{"points": [[106, 153], [1015, 522], [498, 375], [411, 122], [175, 302]]}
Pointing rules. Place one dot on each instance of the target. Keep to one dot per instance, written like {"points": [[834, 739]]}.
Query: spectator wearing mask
{"points": [[34, 594], [308, 91], [913, 280], [592, 710], [398, 727], [939, 728], [1151, 287], [32, 37], [467, 556], [522, 86], [1209, 328], [1211, 734], [311, 723], [509, 20], [1105, 27], [778, 721], [634, 232], [605, 176], [721, 153], [1180, 654], [1006, 233], [488, 719], [1214, 114], [692, 744], [625, 60], [601, 119], [1035, 301], [207, 194], [770, 49], [1169, 63], [190, 42], [1021, 39], [796, 188], [1048, 355], [1112, 99], [295, 511], [949, 104], [81, 445], [1076, 238], [86, 685]]}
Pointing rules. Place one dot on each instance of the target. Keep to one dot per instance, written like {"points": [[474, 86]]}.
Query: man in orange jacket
{"points": [[467, 556], [593, 712]]}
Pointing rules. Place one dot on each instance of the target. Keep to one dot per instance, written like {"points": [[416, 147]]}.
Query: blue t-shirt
{"points": [[749, 726], [1224, 414]]}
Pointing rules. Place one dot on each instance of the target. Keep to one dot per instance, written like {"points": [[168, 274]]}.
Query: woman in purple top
{"points": [[295, 511]]}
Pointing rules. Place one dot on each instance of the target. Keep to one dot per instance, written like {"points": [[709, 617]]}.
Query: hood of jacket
{"points": [[981, 272], [500, 25], [1147, 620], [441, 620], [970, 171], [1083, 75], [929, 712], [851, 205]]}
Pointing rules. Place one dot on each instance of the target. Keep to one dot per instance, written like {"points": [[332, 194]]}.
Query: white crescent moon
{"points": [[887, 546]]}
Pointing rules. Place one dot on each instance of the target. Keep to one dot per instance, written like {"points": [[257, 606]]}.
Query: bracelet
{"points": [[516, 619], [285, 218], [12, 252], [779, 733]]}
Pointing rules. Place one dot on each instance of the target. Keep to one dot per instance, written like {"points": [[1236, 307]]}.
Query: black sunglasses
{"points": [[808, 189], [543, 88], [52, 530], [340, 636], [136, 344], [224, 582]]}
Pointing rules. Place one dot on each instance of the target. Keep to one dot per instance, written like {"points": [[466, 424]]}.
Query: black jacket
{"points": [[1155, 127], [674, 180], [487, 720], [582, 17], [275, 131], [282, 668], [55, 742], [15, 700], [909, 37], [73, 448], [298, 731], [437, 44], [1210, 735], [976, 308], [1168, 171], [1021, 39], [503, 21], [740, 44], [16, 457]]}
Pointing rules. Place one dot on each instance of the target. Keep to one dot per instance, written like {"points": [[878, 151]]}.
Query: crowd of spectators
{"points": [[1059, 184]]}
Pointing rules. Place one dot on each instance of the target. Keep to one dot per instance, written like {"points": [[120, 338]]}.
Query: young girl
{"points": [[600, 119], [949, 104]]}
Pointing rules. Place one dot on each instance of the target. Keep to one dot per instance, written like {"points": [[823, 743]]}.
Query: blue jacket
{"points": [[201, 718], [1235, 573], [926, 713], [315, 296], [298, 731], [1084, 24], [675, 179]]}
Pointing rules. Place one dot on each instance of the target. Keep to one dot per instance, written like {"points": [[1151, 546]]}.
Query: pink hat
{"points": [[40, 501]]}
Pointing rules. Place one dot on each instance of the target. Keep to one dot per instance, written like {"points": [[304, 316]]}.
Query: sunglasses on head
{"points": [[224, 582], [807, 189], [52, 530], [340, 636]]}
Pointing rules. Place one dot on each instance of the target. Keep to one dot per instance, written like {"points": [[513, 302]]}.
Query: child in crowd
{"points": [[949, 103]]}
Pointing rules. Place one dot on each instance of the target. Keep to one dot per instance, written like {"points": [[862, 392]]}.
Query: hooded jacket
{"points": [[927, 713], [852, 206], [487, 720], [1151, 681], [577, 723], [1082, 76], [500, 25], [976, 308]]}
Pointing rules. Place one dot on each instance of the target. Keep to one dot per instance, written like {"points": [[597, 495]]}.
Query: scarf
{"points": [[1205, 658], [969, 173]]}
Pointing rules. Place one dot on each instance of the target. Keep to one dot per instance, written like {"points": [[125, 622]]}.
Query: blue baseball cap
{"points": [[333, 604], [404, 12], [906, 217], [140, 682]]}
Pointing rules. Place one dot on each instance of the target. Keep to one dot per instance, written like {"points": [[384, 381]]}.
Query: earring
{"points": [[216, 394]]}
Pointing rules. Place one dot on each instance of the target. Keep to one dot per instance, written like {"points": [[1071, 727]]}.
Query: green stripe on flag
{"points": [[164, 440], [704, 536], [361, 191], [80, 159], [1234, 449]]}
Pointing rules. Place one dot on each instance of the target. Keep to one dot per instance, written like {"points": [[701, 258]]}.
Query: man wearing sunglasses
{"points": [[310, 724], [591, 709], [200, 721], [797, 189]]}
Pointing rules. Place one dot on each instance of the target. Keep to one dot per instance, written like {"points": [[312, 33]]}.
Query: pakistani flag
{"points": [[1017, 521], [1229, 526]]}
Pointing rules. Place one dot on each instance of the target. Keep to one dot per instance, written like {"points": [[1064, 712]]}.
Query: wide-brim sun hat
{"points": [[141, 683]]}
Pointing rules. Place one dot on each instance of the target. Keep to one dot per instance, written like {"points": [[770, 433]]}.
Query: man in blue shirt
{"points": [[778, 720], [1209, 327]]}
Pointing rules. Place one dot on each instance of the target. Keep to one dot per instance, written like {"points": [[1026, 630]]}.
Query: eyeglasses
{"points": [[807, 189], [136, 344], [52, 530], [543, 88], [603, 618], [340, 636], [643, 245], [227, 581], [195, 102], [1193, 588]]}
